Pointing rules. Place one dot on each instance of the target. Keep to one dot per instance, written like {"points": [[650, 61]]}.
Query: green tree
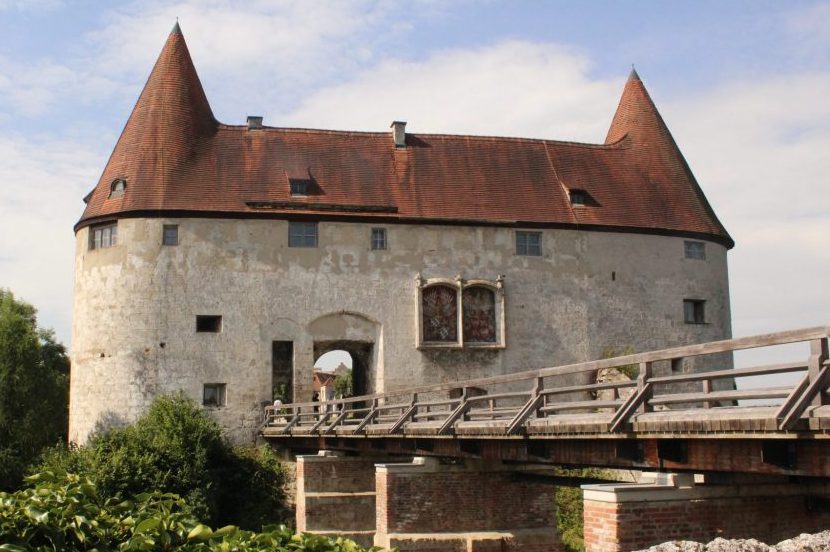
{"points": [[34, 371], [343, 386]]}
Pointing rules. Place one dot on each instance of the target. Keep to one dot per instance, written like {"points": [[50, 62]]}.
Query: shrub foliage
{"points": [[59, 512], [176, 448]]}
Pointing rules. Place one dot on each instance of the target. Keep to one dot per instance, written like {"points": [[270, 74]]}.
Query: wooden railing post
{"points": [[810, 390], [406, 414], [637, 401], [818, 356], [707, 388], [644, 375]]}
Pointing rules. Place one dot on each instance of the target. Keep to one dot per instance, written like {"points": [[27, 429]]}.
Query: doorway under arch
{"points": [[360, 353]]}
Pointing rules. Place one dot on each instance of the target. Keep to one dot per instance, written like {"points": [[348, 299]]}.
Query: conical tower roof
{"points": [[170, 122], [638, 125]]}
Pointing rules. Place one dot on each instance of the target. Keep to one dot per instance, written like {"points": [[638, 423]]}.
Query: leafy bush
{"points": [[66, 512], [631, 371], [176, 448], [569, 507]]}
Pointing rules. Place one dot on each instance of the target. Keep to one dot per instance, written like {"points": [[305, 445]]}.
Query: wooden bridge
{"points": [[660, 418]]}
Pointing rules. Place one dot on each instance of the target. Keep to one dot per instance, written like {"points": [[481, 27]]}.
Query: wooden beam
{"points": [[806, 398], [630, 406]]}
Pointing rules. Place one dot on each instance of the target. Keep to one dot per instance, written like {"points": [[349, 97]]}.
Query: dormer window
{"points": [[578, 197], [300, 186], [117, 188]]}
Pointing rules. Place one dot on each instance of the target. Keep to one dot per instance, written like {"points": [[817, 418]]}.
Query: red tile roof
{"points": [[179, 161]]}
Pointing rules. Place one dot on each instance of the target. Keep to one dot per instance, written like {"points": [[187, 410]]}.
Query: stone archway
{"points": [[358, 335]]}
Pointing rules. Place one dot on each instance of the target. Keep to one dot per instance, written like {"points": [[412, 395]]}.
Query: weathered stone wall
{"points": [[135, 305]]}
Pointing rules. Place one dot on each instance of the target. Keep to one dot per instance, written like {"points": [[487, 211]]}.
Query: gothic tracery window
{"points": [[479, 304], [439, 313], [460, 313]]}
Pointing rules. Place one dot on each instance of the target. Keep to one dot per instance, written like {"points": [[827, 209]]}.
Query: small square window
{"points": [[170, 235], [695, 250], [214, 394], [578, 197], [302, 234], [694, 311], [378, 238], [103, 236], [300, 186], [208, 323], [529, 243]]}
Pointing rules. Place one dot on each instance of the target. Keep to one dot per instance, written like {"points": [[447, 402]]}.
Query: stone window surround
{"points": [[459, 284]]}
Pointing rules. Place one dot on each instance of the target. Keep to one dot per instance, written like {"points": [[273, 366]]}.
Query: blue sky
{"points": [[743, 86]]}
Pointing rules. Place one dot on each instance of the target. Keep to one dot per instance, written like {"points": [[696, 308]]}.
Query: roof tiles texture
{"points": [[177, 158]]}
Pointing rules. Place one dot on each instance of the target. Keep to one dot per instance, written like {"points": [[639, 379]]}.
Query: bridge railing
{"points": [[508, 403]]}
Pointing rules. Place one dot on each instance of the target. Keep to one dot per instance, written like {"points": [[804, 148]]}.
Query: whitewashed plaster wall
{"points": [[134, 332]]}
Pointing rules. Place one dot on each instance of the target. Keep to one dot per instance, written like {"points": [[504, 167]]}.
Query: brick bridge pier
{"points": [[467, 466]]}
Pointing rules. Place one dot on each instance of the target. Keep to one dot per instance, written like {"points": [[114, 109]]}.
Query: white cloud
{"points": [[511, 88], [759, 149], [30, 5], [34, 89], [40, 200]]}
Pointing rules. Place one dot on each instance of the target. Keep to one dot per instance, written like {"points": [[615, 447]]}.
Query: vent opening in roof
{"points": [[581, 198], [118, 187]]}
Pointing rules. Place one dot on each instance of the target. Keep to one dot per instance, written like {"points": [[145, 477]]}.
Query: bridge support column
{"points": [[427, 506], [336, 496], [622, 517]]}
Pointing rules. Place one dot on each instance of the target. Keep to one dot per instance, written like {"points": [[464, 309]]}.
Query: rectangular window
{"points": [[694, 311], [302, 234], [209, 323], [529, 243], [214, 394], [578, 197], [104, 235], [378, 238], [695, 250], [299, 186], [170, 235]]}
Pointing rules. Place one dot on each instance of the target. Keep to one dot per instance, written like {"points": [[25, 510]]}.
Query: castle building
{"points": [[223, 260]]}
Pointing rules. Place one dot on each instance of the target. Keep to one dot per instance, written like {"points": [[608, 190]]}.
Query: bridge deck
{"points": [[536, 405]]}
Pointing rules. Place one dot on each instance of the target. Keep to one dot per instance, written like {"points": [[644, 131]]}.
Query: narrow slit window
{"points": [[170, 234], [208, 323], [378, 238]]}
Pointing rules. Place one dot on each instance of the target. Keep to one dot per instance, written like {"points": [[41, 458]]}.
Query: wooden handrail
{"points": [[811, 391]]}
